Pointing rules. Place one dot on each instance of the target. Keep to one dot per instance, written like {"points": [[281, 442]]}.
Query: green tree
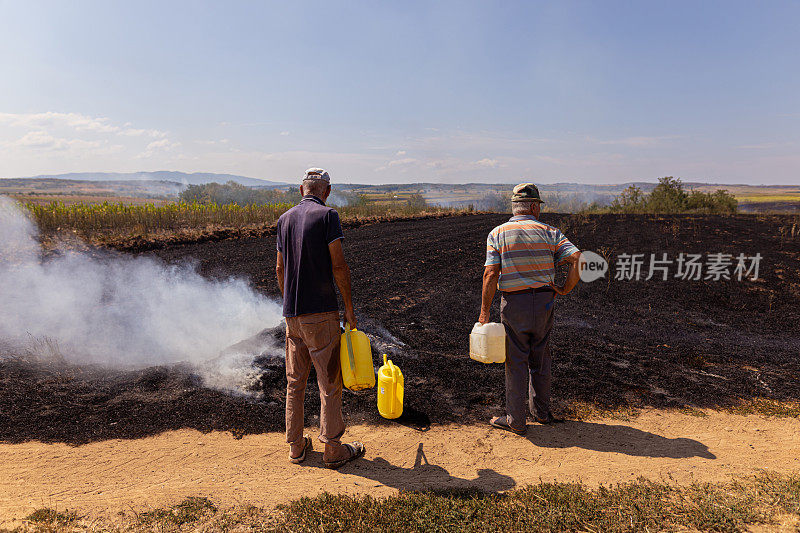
{"points": [[631, 200], [667, 197], [235, 193], [417, 202]]}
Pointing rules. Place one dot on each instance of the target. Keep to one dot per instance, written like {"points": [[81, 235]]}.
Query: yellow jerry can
{"points": [[390, 390], [355, 353]]}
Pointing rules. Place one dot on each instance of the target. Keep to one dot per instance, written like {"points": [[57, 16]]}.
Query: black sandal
{"points": [[302, 457], [356, 450], [501, 422]]}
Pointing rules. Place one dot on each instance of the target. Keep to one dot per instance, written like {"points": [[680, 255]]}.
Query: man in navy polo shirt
{"points": [[310, 260]]}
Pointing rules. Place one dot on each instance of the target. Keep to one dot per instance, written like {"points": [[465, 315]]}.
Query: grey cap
{"points": [[317, 174], [526, 192]]}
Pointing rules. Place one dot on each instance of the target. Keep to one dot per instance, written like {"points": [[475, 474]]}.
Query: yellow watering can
{"points": [[390, 390], [355, 354]]}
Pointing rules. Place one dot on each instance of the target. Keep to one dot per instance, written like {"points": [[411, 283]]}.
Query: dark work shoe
{"points": [[548, 419]]}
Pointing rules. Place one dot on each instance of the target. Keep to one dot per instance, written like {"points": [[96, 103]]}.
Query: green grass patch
{"points": [[767, 407], [47, 516], [641, 505], [693, 411], [581, 410], [638, 506], [188, 511]]}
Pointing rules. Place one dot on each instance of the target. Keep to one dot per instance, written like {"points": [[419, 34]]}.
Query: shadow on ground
{"points": [[421, 476], [616, 439]]}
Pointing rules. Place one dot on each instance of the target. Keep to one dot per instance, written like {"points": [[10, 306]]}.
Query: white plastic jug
{"points": [[487, 343]]}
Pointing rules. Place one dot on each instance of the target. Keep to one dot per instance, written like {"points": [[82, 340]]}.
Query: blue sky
{"points": [[593, 92]]}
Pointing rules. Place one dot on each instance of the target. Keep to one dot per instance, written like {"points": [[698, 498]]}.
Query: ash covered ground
{"points": [[616, 344]]}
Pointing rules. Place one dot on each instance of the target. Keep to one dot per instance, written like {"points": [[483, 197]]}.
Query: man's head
{"points": [[317, 182], [525, 200]]}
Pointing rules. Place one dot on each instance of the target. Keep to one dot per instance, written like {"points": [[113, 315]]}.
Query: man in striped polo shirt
{"points": [[521, 259]]}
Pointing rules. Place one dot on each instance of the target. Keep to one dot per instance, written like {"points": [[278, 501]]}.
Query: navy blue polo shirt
{"points": [[304, 233]]}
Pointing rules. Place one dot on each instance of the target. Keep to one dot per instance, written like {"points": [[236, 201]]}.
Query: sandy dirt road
{"points": [[108, 476]]}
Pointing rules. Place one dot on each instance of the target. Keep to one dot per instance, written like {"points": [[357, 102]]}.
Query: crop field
{"points": [[84, 199], [133, 223], [637, 364], [770, 203], [761, 198], [126, 218]]}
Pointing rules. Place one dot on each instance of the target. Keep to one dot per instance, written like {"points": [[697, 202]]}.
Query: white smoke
{"points": [[120, 311]]}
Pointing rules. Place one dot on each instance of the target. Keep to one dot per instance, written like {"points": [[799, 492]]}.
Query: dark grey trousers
{"points": [[528, 318]]}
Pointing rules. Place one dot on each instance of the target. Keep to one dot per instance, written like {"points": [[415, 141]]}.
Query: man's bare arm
{"points": [[573, 276], [341, 273], [279, 272], [490, 276]]}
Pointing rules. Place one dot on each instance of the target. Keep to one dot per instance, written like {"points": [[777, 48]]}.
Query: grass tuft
{"points": [[693, 411], [582, 410], [188, 511], [767, 407], [47, 516]]}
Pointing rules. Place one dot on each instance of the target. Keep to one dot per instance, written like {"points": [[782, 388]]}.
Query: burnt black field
{"points": [[616, 344]]}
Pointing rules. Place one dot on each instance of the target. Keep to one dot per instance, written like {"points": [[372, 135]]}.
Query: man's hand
{"points": [[350, 318], [279, 271], [484, 318], [573, 276], [561, 291]]}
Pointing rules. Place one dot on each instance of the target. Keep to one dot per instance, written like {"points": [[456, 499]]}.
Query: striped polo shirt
{"points": [[527, 251]]}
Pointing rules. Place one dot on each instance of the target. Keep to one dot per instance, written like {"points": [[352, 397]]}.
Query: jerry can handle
{"points": [[391, 368], [394, 388], [392, 397], [349, 342]]}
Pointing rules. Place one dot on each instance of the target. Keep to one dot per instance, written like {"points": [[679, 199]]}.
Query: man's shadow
{"points": [[423, 475], [615, 438]]}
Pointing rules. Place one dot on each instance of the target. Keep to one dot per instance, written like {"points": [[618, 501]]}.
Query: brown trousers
{"points": [[314, 339]]}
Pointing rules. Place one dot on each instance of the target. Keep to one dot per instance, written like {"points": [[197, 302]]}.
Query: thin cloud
{"points": [[42, 140], [766, 146], [404, 161], [160, 146], [75, 121], [487, 163], [635, 142], [131, 132]]}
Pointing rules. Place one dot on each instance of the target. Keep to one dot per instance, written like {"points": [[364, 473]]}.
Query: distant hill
{"points": [[195, 178], [58, 189], [167, 185]]}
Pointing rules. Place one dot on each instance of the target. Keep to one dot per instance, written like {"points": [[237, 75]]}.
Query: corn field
{"points": [[89, 219], [125, 219]]}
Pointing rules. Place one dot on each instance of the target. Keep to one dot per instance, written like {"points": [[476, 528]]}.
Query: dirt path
{"points": [[113, 475]]}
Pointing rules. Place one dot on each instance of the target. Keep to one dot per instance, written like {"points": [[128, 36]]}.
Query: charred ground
{"points": [[617, 345]]}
